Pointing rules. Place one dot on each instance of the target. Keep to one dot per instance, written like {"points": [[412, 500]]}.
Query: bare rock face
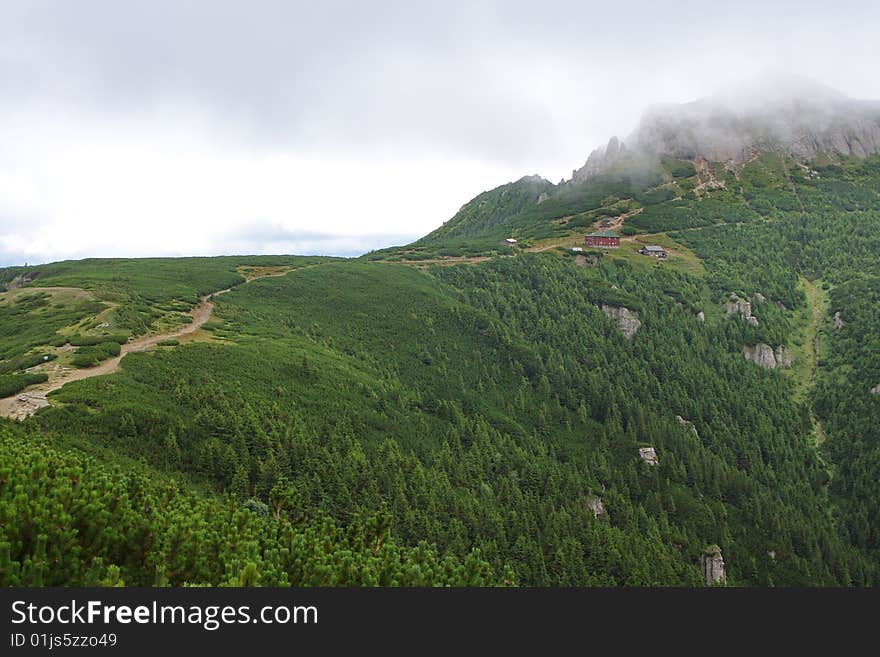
{"points": [[687, 424], [712, 564], [741, 307], [791, 115], [786, 114], [838, 321], [600, 160], [761, 354], [23, 405], [764, 355], [595, 504], [18, 281], [627, 319], [649, 455]]}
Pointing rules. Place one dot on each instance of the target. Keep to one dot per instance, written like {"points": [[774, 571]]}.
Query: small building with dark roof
{"points": [[653, 250]]}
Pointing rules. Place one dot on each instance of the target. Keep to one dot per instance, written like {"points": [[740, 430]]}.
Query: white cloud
{"points": [[137, 185], [167, 127]]}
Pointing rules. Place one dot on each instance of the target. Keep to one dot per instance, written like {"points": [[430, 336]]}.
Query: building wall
{"points": [[610, 242]]}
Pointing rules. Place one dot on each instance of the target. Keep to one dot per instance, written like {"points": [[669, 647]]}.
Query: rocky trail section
{"points": [[25, 404]]}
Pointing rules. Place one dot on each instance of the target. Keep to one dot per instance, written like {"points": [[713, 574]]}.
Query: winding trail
{"points": [[28, 402]]}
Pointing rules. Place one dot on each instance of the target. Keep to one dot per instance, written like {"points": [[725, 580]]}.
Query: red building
{"points": [[604, 240]]}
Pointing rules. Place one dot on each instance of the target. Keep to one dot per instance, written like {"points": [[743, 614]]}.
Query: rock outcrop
{"points": [[761, 354], [627, 319], [712, 564], [701, 317], [18, 281], [601, 159], [765, 356], [595, 504], [790, 115], [741, 307], [649, 455], [784, 114], [23, 405], [875, 390]]}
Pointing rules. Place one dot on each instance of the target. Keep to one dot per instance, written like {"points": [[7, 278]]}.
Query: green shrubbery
{"points": [[92, 355], [679, 168], [349, 381], [25, 362], [70, 521], [93, 340], [11, 384]]}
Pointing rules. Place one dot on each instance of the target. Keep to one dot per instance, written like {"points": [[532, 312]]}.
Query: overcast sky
{"points": [[183, 127]]}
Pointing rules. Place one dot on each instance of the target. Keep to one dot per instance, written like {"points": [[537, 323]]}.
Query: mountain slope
{"points": [[735, 157], [490, 212], [539, 415], [491, 407]]}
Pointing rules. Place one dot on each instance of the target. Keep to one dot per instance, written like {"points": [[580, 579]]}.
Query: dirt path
{"points": [[26, 403], [615, 223], [547, 247], [76, 292]]}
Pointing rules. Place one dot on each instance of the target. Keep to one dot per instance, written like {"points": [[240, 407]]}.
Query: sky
{"points": [[175, 127]]}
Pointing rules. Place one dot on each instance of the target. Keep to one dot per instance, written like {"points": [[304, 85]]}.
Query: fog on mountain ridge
{"points": [[791, 114]]}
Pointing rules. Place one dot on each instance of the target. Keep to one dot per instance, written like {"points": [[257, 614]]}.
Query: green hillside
{"points": [[478, 423], [661, 195], [70, 520]]}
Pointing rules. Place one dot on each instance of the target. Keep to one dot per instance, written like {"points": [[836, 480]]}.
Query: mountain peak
{"points": [[601, 159], [787, 113]]}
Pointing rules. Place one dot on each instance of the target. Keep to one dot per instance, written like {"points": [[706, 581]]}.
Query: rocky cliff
{"points": [[649, 455], [712, 564], [601, 160], [627, 319], [741, 307], [765, 356], [789, 115], [801, 128]]}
